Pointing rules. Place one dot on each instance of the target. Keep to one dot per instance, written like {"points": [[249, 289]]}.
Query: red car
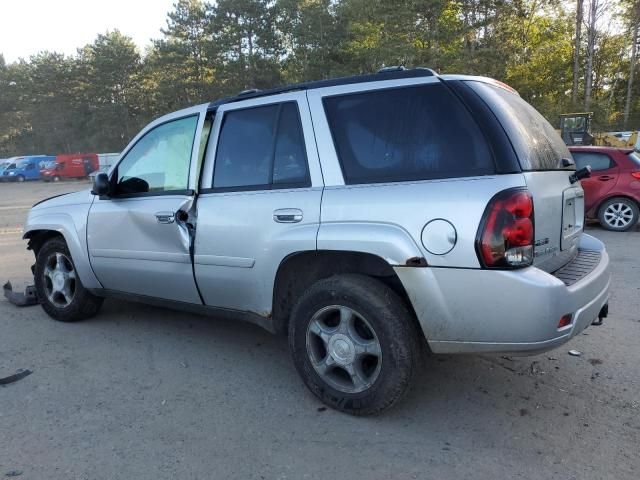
{"points": [[612, 193]]}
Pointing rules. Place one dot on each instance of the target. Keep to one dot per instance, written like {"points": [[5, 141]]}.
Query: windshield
{"points": [[49, 164], [537, 144]]}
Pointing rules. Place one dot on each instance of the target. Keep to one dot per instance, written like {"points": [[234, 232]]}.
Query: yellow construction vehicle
{"points": [[575, 129]]}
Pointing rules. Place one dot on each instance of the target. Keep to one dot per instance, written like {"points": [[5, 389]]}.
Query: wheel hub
{"points": [[58, 281], [342, 349]]}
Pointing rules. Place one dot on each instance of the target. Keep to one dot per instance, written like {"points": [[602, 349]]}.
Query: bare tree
{"points": [[632, 65], [591, 47], [576, 51]]}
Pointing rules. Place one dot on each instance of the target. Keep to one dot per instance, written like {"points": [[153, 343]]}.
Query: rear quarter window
{"points": [[537, 144], [597, 161], [404, 134]]}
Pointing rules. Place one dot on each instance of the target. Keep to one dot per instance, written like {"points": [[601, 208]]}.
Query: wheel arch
{"points": [[610, 196], [298, 271], [38, 232]]}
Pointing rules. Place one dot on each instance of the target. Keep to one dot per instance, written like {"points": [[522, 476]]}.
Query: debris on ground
{"points": [[575, 353], [13, 473], [595, 361], [19, 375], [25, 299]]}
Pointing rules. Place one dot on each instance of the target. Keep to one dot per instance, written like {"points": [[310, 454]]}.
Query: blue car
{"points": [[25, 168]]}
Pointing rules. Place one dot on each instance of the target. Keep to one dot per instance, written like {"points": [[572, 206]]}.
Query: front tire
{"points": [[58, 287], [618, 214], [354, 343], [20, 178]]}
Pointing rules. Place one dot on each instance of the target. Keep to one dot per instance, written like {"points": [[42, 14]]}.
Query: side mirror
{"points": [[101, 185]]}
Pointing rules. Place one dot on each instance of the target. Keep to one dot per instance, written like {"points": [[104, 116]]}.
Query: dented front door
{"points": [[139, 237]]}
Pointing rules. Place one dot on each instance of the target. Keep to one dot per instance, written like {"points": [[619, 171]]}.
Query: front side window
{"points": [[406, 134], [159, 161], [597, 161], [261, 148]]}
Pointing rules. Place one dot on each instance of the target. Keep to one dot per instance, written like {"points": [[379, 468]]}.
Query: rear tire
{"points": [[59, 289], [354, 343], [618, 214]]}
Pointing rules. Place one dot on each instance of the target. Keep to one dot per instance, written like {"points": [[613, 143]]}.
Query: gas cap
{"points": [[439, 236]]}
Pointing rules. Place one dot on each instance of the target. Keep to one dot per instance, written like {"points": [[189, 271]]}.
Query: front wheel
{"points": [[59, 289], [20, 178], [618, 214], [354, 343]]}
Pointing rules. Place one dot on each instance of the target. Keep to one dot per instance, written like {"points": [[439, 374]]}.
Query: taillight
{"points": [[506, 234], [635, 175]]}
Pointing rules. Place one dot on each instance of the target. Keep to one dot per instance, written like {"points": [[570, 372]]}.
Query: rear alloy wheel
{"points": [[58, 286], [355, 344], [344, 349], [618, 214]]}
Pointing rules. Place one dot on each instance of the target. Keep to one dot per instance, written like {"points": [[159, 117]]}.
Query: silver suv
{"points": [[369, 218]]}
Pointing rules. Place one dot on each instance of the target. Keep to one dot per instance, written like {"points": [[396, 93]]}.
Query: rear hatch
{"points": [[547, 165]]}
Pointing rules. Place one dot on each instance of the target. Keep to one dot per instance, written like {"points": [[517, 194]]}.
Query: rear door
{"points": [[260, 200], [558, 203], [604, 175]]}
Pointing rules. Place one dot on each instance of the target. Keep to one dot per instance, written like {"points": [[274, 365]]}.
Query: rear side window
{"points": [[261, 148], [597, 161], [537, 144], [405, 134]]}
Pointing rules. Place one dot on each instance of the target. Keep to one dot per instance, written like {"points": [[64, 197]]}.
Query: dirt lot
{"points": [[144, 393]]}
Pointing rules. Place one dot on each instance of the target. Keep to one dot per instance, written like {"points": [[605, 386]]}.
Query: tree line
{"points": [[561, 56]]}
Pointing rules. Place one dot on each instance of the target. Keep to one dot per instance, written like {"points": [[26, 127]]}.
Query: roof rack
{"points": [[386, 73]]}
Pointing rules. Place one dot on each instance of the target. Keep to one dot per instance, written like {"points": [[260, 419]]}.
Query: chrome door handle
{"points": [[165, 217], [287, 215]]}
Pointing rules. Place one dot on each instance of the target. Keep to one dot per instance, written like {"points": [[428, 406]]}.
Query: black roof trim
{"points": [[374, 77]]}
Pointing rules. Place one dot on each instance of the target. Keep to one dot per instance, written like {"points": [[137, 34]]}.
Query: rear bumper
{"points": [[474, 311]]}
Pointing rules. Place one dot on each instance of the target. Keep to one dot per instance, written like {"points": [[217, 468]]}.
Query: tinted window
{"points": [[159, 161], [261, 147], [411, 133], [597, 161], [538, 145], [290, 160]]}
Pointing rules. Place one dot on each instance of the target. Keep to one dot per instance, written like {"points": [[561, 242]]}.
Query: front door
{"points": [[139, 238]]}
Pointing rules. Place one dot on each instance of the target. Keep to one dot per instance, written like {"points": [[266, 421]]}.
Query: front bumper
{"points": [[517, 311]]}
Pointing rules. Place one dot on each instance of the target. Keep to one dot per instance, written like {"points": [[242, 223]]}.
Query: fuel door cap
{"points": [[439, 236]]}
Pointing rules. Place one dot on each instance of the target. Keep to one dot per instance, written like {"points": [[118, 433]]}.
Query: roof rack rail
{"points": [[394, 68], [386, 73], [249, 91]]}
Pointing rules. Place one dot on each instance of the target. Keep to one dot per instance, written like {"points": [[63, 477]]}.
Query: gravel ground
{"points": [[145, 393]]}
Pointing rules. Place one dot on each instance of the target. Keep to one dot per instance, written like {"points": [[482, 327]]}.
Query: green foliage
{"points": [[99, 98]]}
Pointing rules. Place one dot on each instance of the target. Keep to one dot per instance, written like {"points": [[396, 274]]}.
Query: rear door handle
{"points": [[165, 217], [287, 215], [604, 178]]}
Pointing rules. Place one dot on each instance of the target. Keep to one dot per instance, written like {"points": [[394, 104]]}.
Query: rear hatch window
{"points": [[537, 144]]}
